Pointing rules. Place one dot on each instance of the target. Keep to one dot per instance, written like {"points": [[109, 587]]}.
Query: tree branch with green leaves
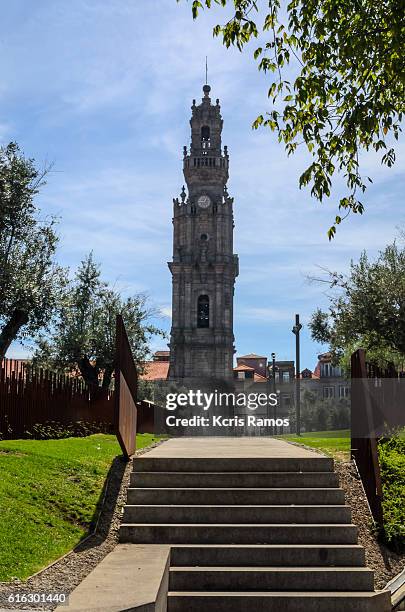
{"points": [[347, 94]]}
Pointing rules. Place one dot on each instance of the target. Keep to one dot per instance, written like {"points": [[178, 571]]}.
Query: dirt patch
{"points": [[7, 451]]}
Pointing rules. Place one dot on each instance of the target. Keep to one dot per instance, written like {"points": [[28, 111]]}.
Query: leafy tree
{"points": [[344, 91], [322, 418], [83, 336], [340, 414], [308, 410], [367, 309], [318, 414], [31, 283], [145, 390]]}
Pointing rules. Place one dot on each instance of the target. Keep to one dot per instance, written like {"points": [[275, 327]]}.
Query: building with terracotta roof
{"points": [[260, 379], [328, 380], [155, 370], [247, 373], [257, 362], [244, 372], [158, 369]]}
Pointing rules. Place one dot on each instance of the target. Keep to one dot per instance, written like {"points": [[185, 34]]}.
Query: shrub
{"points": [[392, 462], [54, 430]]}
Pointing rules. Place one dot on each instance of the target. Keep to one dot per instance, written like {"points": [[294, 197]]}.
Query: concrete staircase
{"points": [[256, 534]]}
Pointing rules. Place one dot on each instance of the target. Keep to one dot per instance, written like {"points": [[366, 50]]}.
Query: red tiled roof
{"points": [[259, 378], [155, 370], [242, 368], [161, 353], [252, 356]]}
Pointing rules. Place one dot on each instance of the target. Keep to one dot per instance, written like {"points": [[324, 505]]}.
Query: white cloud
{"points": [[255, 313], [166, 311]]}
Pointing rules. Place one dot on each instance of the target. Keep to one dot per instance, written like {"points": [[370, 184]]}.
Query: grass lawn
{"points": [[49, 491], [333, 443]]}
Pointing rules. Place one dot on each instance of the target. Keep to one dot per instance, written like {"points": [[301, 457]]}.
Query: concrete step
{"points": [[237, 514], [270, 579], [234, 479], [260, 555], [234, 464], [276, 601], [206, 496], [241, 533]]}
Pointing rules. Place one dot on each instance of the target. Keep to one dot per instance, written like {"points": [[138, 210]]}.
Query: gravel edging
{"points": [[385, 563], [63, 575]]}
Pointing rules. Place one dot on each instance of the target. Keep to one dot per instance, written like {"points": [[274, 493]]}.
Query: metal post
{"points": [[296, 330], [273, 356]]}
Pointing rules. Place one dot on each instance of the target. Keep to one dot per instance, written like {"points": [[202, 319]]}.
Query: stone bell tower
{"points": [[204, 267]]}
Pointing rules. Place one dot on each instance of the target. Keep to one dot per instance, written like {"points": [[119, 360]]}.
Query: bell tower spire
{"points": [[204, 267]]}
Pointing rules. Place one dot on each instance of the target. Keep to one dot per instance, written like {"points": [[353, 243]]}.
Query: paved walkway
{"points": [[218, 447]]}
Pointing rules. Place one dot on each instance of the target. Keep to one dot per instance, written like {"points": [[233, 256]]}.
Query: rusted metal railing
{"points": [[365, 430], [126, 385]]}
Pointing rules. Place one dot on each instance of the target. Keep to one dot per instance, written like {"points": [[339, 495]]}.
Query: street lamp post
{"points": [[273, 356], [296, 330]]}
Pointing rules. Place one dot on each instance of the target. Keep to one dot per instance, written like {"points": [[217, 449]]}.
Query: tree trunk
{"points": [[88, 371], [11, 329], [107, 377]]}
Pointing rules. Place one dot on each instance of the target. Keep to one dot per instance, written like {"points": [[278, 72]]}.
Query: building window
{"points": [[203, 311], [325, 369], [328, 392], [287, 400], [328, 370], [241, 375], [344, 391], [286, 377]]}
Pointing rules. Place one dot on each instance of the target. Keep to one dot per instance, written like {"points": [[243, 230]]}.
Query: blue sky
{"points": [[103, 90]]}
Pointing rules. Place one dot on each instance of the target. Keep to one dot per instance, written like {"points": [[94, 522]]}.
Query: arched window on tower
{"points": [[203, 311], [205, 137]]}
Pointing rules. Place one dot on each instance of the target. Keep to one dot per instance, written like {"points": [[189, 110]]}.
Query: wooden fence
{"points": [[30, 396], [371, 414], [33, 396]]}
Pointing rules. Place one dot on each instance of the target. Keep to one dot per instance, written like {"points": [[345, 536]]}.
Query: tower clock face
{"points": [[203, 201]]}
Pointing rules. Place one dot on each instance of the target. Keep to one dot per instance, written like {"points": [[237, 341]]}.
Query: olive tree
{"points": [[31, 283], [367, 309], [83, 333]]}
